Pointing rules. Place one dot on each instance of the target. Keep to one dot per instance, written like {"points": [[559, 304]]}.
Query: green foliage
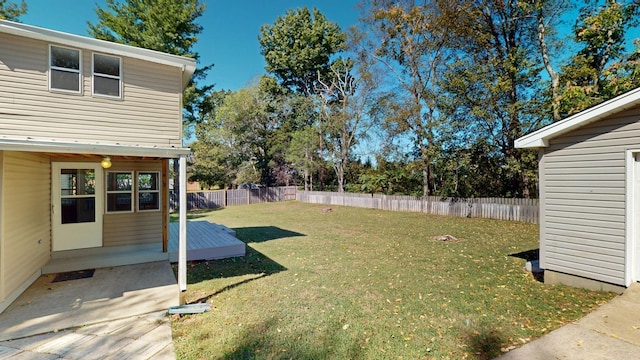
{"points": [[409, 41], [494, 85], [449, 85], [298, 48], [209, 165], [12, 11], [392, 178], [163, 25], [370, 284], [601, 69], [232, 141], [346, 96]]}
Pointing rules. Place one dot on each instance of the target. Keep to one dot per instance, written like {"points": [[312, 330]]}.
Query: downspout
{"points": [[182, 211]]}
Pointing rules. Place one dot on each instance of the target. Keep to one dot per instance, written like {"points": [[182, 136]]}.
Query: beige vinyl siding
{"points": [[132, 228], [25, 241], [135, 227], [149, 113], [583, 198]]}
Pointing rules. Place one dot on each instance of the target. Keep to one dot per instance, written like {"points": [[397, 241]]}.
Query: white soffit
{"points": [[540, 138], [187, 65], [92, 149]]}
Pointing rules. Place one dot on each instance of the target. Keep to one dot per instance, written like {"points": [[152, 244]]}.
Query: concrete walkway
{"points": [[610, 332], [118, 313], [138, 337]]}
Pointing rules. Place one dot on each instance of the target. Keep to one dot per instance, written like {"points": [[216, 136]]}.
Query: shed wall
{"points": [[25, 238], [149, 113], [582, 177]]}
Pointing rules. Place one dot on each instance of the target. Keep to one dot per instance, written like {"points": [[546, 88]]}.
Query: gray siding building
{"points": [[589, 173]]}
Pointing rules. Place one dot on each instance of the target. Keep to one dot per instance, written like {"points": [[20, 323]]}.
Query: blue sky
{"points": [[229, 39]]}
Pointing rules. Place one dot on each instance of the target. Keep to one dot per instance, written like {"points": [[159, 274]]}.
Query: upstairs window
{"points": [[107, 75], [64, 69]]}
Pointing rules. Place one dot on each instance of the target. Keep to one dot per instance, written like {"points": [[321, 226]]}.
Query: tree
{"points": [[345, 96], [232, 141], [12, 11], [547, 14], [600, 70], [401, 176], [302, 152], [411, 43], [163, 25], [493, 86], [298, 50], [293, 112], [298, 46], [207, 164]]}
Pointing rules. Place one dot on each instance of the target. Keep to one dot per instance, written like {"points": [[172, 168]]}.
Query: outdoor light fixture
{"points": [[106, 162]]}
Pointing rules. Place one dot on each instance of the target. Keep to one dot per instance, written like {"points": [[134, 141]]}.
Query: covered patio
{"points": [[110, 307]]}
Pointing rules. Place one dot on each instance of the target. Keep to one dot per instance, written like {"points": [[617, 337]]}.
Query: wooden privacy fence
{"points": [[526, 210], [221, 198]]}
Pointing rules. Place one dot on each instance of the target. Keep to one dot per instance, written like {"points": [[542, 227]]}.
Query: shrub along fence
{"points": [[221, 198], [526, 210]]}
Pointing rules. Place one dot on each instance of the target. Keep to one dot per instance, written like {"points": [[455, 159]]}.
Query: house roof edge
{"points": [[187, 65], [540, 138]]}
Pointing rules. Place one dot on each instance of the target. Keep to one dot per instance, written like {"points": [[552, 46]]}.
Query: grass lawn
{"points": [[368, 284]]}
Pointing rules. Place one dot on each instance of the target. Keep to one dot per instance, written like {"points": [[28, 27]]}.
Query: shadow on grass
{"points": [[486, 343], [261, 341], [253, 263], [257, 234], [529, 255]]}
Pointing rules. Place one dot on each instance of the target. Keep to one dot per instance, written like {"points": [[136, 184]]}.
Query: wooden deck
{"points": [[205, 241]]}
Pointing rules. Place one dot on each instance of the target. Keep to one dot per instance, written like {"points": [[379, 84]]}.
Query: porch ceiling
{"points": [[99, 157]]}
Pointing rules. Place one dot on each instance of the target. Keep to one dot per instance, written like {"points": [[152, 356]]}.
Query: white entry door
{"points": [[77, 205]]}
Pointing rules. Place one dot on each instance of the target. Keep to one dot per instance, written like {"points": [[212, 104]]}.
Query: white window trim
{"points": [[94, 74], [108, 192], [159, 191], [79, 71]]}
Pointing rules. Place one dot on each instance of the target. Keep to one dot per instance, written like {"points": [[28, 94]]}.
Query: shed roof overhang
{"points": [[187, 65], [540, 138], [92, 149]]}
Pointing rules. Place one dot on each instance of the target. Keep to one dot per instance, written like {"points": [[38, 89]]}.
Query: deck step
{"points": [[189, 309]]}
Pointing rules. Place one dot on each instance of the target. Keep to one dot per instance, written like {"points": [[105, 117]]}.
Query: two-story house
{"points": [[87, 128]]}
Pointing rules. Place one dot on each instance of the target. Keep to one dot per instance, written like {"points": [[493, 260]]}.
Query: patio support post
{"points": [[182, 242]]}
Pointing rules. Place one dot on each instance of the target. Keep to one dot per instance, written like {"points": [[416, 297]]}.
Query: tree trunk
{"points": [[555, 77], [425, 181]]}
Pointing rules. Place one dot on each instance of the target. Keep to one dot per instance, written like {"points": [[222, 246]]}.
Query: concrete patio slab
{"points": [[112, 293], [138, 337]]}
